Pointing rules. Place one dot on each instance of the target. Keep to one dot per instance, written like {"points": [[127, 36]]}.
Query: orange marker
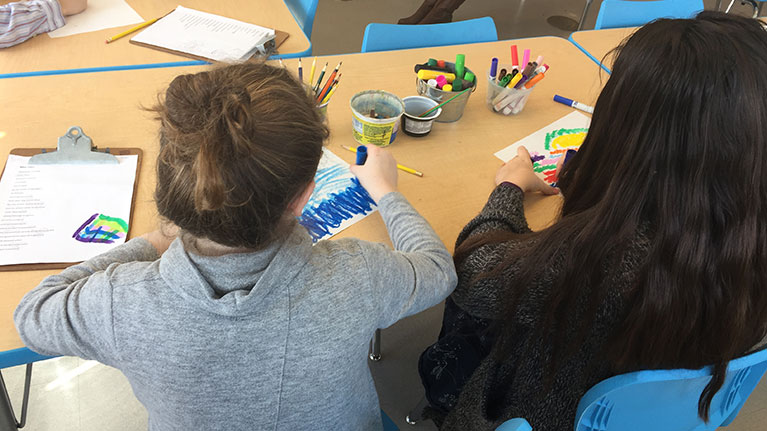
{"points": [[534, 80]]}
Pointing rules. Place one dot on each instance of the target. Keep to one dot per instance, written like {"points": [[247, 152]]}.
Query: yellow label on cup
{"points": [[366, 132]]}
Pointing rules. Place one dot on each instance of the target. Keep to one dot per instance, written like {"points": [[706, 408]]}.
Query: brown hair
{"points": [[237, 144]]}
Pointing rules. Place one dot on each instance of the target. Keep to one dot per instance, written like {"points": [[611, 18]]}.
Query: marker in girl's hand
{"points": [[362, 155]]}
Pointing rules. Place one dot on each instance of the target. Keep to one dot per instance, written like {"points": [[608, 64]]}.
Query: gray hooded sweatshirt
{"points": [[271, 340]]}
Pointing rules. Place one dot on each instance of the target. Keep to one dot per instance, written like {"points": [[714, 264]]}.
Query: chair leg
{"points": [[416, 414], [583, 16], [7, 417], [375, 347]]}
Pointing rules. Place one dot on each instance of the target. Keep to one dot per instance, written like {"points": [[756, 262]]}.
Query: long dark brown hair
{"points": [[677, 148], [237, 144]]}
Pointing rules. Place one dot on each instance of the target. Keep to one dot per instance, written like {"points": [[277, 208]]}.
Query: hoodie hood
{"points": [[236, 284]]}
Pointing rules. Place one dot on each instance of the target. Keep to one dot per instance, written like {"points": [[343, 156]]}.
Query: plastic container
{"points": [[412, 124], [376, 131], [451, 111], [503, 100]]}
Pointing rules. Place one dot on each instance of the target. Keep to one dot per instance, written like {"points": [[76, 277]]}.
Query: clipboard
{"points": [[29, 152], [270, 47]]}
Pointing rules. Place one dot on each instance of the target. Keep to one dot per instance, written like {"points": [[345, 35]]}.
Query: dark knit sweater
{"points": [[496, 392]]}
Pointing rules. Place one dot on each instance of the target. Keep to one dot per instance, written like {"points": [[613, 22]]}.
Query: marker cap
{"points": [[362, 155]]}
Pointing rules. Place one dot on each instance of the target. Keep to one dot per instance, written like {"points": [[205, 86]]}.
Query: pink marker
{"points": [[546, 67], [525, 58], [539, 60], [441, 81]]}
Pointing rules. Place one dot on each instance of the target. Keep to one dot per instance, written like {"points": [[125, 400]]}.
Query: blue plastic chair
{"points": [[386, 37], [627, 13], [303, 12], [663, 400], [388, 424]]}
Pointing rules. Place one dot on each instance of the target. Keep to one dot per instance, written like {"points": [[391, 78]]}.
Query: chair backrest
{"points": [[667, 400], [303, 11], [385, 37], [627, 13]]}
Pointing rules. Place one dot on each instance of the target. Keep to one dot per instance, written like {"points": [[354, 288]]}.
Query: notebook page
{"points": [[63, 213], [205, 35]]}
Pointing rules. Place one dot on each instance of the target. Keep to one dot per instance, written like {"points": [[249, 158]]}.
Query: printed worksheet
{"points": [[63, 213]]}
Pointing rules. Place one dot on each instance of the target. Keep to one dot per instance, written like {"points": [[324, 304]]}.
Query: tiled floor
{"points": [[70, 394]]}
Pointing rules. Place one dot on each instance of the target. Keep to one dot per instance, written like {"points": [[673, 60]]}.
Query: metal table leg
{"points": [[375, 346], [8, 420]]}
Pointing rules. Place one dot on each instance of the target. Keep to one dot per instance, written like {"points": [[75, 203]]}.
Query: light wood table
{"points": [[456, 158], [597, 43], [90, 50]]}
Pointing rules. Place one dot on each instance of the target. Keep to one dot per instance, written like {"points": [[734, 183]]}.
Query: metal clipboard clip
{"points": [[74, 148]]}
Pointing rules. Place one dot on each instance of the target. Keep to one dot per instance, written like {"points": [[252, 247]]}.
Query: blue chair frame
{"points": [[303, 12], [629, 13], [386, 37], [663, 400]]}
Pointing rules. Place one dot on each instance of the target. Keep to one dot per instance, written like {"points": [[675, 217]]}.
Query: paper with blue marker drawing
{"points": [[338, 201]]}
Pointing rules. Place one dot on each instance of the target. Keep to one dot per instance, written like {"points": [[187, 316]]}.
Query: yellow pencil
{"points": [[131, 30], [400, 167], [330, 94], [311, 74]]}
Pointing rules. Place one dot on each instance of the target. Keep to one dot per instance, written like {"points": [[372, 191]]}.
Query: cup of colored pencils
{"points": [[321, 89]]}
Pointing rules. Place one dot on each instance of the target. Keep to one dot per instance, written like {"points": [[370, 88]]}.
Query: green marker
{"points": [[457, 84], [432, 62], [505, 80], [459, 65], [469, 77]]}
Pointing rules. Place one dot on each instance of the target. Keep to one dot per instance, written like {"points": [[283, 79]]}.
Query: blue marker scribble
{"points": [[327, 210]]}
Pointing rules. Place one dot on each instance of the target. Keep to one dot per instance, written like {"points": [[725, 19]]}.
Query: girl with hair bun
{"points": [[238, 322]]}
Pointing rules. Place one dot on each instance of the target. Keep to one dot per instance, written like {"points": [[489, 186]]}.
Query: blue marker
{"points": [[493, 68], [574, 104], [362, 154]]}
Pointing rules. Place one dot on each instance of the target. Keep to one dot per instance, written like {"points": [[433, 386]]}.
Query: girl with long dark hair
{"points": [[658, 258]]}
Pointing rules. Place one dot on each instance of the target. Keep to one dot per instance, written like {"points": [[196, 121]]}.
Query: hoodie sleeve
{"points": [[22, 20], [418, 274], [71, 313]]}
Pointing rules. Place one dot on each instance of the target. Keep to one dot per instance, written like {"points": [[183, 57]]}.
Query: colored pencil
{"points": [[443, 103], [330, 94], [131, 30], [300, 71], [316, 87], [329, 83], [400, 167], [311, 74]]}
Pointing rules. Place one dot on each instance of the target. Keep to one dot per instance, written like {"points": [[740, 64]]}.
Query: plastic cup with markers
{"points": [[510, 85]]}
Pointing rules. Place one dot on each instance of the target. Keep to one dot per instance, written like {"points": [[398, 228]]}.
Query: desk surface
{"points": [[599, 42], [89, 50], [456, 158]]}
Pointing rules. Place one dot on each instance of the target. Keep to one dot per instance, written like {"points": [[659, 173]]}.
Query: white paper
{"points": [[548, 144], [338, 200], [205, 35], [99, 14], [43, 209]]}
